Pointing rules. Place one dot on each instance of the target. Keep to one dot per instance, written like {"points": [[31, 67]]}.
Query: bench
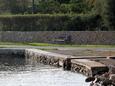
{"points": [[62, 40]]}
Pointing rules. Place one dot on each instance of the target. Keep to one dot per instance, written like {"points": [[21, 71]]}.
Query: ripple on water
{"points": [[40, 75]]}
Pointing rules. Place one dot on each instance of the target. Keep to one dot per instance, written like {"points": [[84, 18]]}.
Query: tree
{"points": [[63, 1], [4, 6], [109, 17], [91, 2], [50, 6], [14, 6], [79, 6], [106, 9]]}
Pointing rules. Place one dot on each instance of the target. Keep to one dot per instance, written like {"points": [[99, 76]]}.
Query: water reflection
{"points": [[15, 72]]}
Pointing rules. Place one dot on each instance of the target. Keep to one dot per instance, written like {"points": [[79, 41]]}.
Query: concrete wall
{"points": [[83, 37]]}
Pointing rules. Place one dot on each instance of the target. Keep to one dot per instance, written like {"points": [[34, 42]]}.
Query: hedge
{"points": [[49, 22]]}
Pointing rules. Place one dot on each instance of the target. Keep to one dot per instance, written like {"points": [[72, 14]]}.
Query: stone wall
{"points": [[80, 69], [77, 37], [34, 56]]}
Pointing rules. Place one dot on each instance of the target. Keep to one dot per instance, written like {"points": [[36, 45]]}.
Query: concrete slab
{"points": [[88, 63]]}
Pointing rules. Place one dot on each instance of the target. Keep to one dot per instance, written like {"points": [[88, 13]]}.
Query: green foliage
{"points": [[65, 8], [109, 14], [48, 22], [79, 6], [13, 6], [106, 9], [48, 7], [84, 23], [45, 6], [63, 1]]}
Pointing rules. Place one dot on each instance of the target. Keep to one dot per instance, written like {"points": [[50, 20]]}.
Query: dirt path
{"points": [[74, 51], [87, 52]]}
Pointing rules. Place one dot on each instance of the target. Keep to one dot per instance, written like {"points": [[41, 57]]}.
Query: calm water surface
{"points": [[13, 74]]}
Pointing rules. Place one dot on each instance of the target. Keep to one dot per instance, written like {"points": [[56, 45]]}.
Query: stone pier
{"points": [[75, 64], [83, 65]]}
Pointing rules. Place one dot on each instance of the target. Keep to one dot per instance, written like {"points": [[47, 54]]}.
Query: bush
{"points": [[48, 7], [48, 22], [84, 23], [65, 8]]}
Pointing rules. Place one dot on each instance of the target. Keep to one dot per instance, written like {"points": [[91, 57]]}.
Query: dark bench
{"points": [[62, 40]]}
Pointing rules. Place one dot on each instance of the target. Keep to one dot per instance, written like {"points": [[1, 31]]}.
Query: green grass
{"points": [[39, 14], [69, 45], [56, 45], [12, 43]]}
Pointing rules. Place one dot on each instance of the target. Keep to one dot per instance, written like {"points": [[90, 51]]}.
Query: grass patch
{"points": [[12, 43], [56, 45], [72, 45]]}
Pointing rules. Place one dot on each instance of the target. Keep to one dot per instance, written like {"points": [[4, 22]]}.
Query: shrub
{"points": [[48, 7], [48, 22], [84, 23]]}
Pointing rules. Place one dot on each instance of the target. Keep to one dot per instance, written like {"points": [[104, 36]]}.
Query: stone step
{"points": [[87, 67]]}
